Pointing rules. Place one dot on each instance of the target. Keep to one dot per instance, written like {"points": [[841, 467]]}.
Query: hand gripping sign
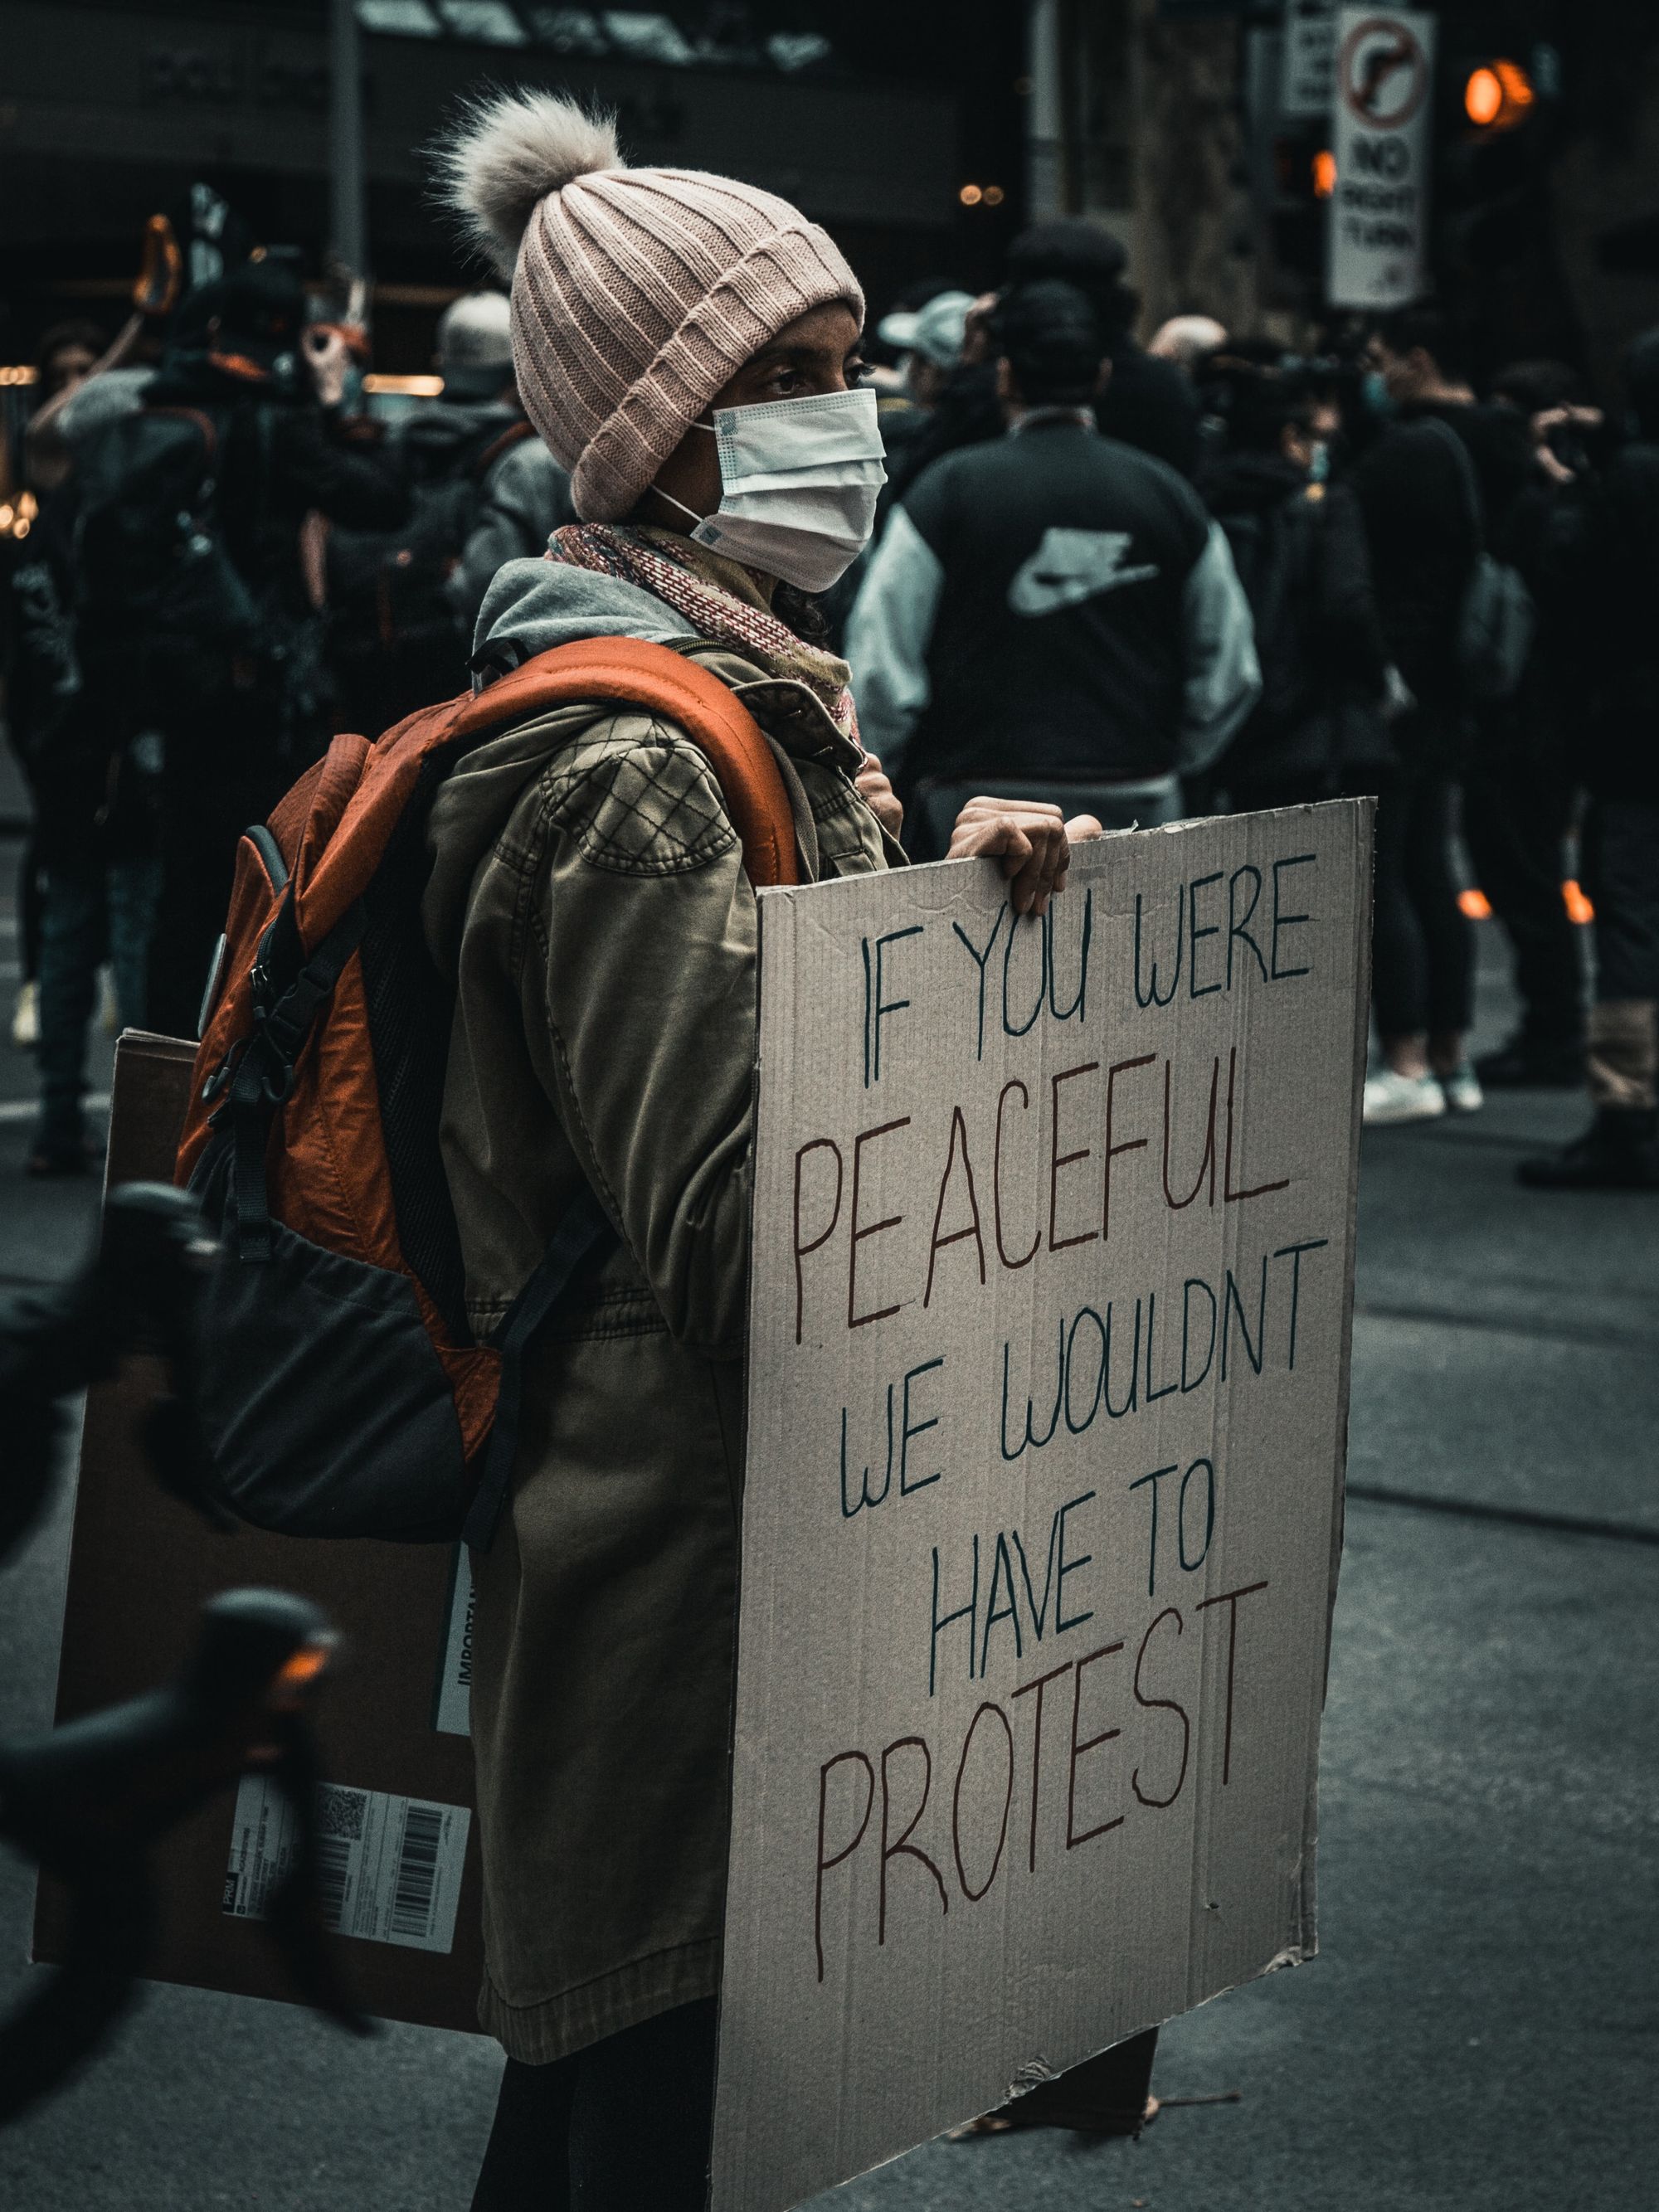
{"points": [[1048, 1398]]}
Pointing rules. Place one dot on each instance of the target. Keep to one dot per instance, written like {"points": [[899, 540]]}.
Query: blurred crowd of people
{"points": [[231, 557], [1216, 574], [1203, 574]]}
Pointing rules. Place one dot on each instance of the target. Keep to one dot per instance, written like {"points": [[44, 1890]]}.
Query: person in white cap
{"points": [[928, 342], [483, 490], [525, 496], [474, 348], [1185, 340]]}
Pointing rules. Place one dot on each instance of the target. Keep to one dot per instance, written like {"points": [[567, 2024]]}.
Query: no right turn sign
{"points": [[1377, 253]]}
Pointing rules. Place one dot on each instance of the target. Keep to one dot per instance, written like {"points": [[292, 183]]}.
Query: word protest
{"points": [[1048, 1370]]}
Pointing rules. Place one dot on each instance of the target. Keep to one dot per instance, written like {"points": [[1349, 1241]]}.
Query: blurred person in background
{"points": [[1299, 544], [1417, 371], [67, 353], [963, 410], [1521, 787], [1146, 403], [525, 494], [484, 489], [195, 622], [1602, 588], [84, 393], [927, 341], [1185, 340], [1434, 485], [1054, 616], [92, 849]]}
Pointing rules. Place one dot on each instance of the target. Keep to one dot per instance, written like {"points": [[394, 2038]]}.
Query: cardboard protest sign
{"points": [[399, 1861], [1053, 1264]]}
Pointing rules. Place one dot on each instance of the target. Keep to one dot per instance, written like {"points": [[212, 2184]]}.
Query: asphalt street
{"points": [[1481, 2028]]}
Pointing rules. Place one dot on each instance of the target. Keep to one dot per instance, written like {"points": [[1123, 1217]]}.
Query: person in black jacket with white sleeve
{"points": [[1053, 616]]}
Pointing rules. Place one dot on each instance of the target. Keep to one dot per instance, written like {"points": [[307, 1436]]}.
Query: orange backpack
{"points": [[342, 1393]]}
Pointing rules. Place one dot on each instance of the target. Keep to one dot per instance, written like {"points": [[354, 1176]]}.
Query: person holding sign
{"points": [[688, 346]]}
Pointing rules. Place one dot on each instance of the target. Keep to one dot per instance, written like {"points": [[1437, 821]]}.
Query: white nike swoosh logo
{"points": [[1071, 566]]}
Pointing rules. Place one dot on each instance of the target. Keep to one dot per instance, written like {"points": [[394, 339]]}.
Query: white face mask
{"points": [[798, 483]]}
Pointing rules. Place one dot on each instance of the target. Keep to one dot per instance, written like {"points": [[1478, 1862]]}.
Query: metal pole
{"points": [[348, 223], [1044, 135]]}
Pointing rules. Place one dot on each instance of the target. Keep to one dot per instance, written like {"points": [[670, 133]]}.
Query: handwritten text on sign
{"points": [[1052, 1265]]}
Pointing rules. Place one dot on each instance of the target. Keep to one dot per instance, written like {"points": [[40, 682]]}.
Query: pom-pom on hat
{"points": [[637, 294]]}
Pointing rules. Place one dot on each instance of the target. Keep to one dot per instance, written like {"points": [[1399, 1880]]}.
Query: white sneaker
{"points": [[1391, 1098], [25, 1017], [1462, 1091]]}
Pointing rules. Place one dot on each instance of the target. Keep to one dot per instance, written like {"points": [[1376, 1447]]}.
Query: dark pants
{"points": [[1621, 875], [1422, 944], [30, 899], [622, 2126], [1515, 819], [87, 906]]}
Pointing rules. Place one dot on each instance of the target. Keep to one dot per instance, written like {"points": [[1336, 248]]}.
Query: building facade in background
{"points": [[923, 135], [110, 109]]}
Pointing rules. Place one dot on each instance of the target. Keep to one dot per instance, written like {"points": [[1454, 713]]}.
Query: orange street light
{"points": [[1483, 97], [970, 195], [1496, 95]]}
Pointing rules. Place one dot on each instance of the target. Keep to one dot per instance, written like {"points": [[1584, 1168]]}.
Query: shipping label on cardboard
{"points": [[1049, 1356], [389, 1868]]}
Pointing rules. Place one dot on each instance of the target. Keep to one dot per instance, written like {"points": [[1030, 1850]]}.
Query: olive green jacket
{"points": [[589, 898]]}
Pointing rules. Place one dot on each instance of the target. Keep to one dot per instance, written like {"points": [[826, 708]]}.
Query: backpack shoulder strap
{"points": [[629, 672], [632, 671]]}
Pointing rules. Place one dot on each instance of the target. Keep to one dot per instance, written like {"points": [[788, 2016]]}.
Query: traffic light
{"points": [[1497, 130], [1498, 95], [1300, 176]]}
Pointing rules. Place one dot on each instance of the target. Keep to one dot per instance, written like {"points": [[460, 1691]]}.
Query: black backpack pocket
{"points": [[322, 1399]]}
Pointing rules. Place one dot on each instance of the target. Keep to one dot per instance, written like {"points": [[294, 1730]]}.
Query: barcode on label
{"points": [[388, 1868], [417, 1872], [333, 1871]]}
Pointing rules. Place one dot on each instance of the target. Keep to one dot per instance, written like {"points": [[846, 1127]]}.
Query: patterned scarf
{"points": [[720, 598]]}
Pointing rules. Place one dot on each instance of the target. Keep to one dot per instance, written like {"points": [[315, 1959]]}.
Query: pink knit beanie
{"points": [[636, 292]]}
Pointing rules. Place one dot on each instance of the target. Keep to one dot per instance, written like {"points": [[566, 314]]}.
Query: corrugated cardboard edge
{"points": [[1364, 859]]}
